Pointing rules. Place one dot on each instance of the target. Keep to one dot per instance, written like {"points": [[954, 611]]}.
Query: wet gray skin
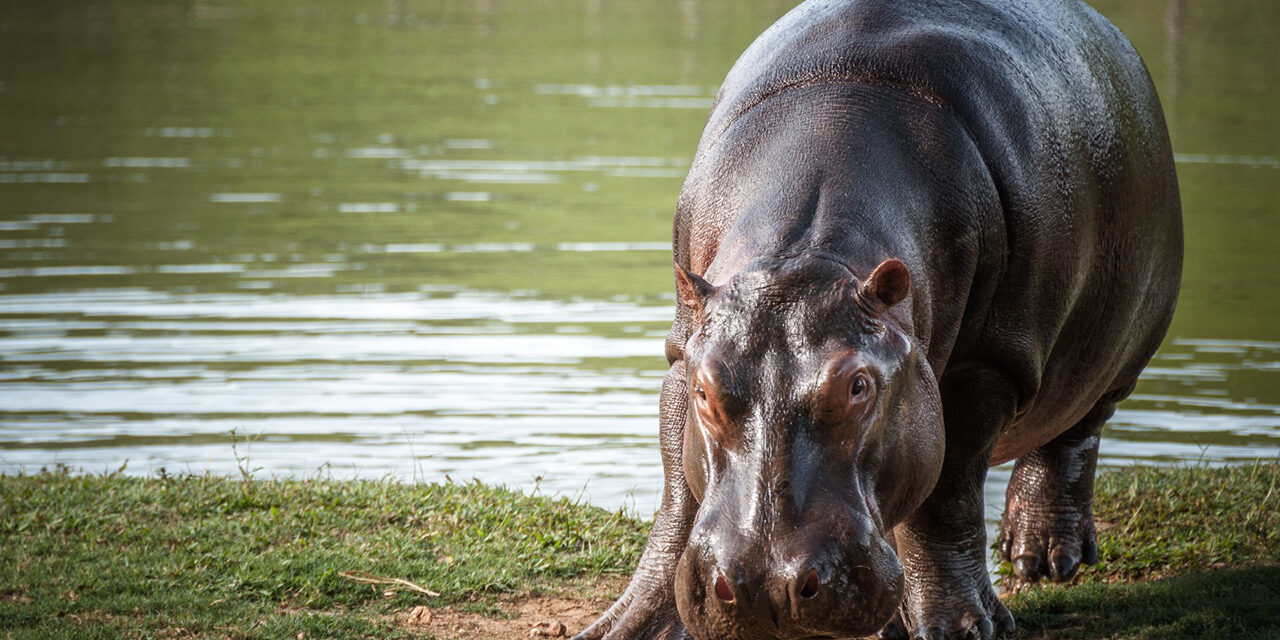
{"points": [[798, 445], [915, 241]]}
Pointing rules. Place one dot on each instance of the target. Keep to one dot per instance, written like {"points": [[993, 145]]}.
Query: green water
{"points": [[429, 238]]}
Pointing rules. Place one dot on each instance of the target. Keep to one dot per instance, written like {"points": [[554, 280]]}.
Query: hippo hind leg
{"points": [[1047, 530]]}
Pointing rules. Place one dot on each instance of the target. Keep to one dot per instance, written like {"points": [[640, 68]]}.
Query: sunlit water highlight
{"points": [[508, 389]]}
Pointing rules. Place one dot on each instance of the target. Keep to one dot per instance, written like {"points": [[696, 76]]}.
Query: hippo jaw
{"points": [[813, 428]]}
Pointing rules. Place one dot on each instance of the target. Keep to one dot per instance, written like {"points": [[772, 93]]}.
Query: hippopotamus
{"points": [[917, 239]]}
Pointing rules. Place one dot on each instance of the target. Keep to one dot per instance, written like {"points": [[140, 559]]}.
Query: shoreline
{"points": [[1184, 552]]}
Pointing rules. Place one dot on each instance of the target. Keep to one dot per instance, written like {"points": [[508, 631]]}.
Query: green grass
{"points": [[1188, 552], [203, 556], [1166, 521], [107, 556], [1228, 603]]}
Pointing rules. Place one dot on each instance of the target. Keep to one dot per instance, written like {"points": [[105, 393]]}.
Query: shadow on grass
{"points": [[1235, 603]]}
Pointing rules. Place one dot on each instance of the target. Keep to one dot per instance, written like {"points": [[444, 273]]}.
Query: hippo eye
{"points": [[858, 387]]}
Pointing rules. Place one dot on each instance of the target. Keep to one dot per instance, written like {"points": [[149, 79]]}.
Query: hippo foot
{"points": [[980, 617], [1047, 530], [639, 614], [1047, 543]]}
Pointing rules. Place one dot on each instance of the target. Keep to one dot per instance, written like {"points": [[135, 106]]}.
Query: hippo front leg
{"points": [[1047, 530], [647, 609], [942, 545]]}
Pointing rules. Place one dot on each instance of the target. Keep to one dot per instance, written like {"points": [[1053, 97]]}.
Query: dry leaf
{"points": [[419, 616], [549, 629]]}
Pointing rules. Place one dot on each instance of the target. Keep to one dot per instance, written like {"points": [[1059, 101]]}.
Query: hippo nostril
{"points": [[723, 591], [810, 587]]}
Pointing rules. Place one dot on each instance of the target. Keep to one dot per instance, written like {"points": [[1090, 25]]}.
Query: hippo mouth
{"points": [[825, 588]]}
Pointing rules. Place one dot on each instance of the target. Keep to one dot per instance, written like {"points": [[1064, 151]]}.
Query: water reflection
{"points": [[463, 383], [466, 383]]}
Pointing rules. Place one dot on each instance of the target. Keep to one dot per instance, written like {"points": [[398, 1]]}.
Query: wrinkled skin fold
{"points": [[917, 239]]}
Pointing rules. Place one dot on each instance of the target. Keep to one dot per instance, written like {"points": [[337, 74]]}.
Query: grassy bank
{"points": [[196, 557], [204, 556], [1183, 553]]}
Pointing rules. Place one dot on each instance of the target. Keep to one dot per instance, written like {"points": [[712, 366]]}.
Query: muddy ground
{"points": [[547, 616]]}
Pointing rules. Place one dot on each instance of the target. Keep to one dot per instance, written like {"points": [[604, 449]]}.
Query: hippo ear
{"points": [[888, 283], [693, 291]]}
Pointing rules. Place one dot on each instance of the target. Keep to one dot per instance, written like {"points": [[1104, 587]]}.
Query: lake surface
{"points": [[430, 239]]}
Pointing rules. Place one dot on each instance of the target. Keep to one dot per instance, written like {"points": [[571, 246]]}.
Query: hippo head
{"points": [[814, 427]]}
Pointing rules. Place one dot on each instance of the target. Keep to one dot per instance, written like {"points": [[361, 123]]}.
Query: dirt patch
{"points": [[15, 597], [548, 616]]}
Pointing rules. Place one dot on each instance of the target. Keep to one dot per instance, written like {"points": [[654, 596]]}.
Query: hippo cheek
{"points": [[736, 587]]}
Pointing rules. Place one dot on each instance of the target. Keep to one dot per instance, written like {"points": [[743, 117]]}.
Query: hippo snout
{"points": [[810, 583]]}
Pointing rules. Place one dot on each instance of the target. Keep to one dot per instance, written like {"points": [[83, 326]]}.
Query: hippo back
{"points": [[1084, 255]]}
